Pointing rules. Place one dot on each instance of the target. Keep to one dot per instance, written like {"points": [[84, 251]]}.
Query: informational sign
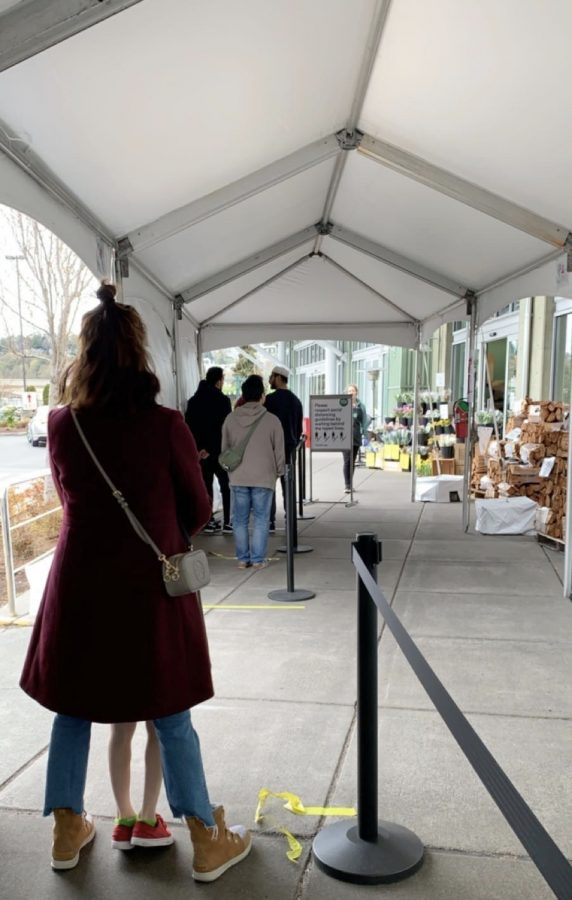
{"points": [[440, 380], [331, 421]]}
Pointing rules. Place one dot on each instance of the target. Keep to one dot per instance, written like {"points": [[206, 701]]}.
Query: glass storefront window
{"points": [[562, 358], [511, 363]]}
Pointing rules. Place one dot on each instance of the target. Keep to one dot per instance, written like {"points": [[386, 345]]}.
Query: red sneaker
{"points": [[157, 835], [121, 837]]}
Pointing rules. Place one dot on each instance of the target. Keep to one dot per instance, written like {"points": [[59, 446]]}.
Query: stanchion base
{"points": [[291, 596], [301, 548], [339, 852]]}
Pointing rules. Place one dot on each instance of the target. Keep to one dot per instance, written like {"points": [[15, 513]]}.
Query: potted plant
{"points": [[405, 460], [391, 447]]}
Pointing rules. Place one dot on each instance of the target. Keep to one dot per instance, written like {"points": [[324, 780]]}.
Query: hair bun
{"points": [[106, 292]]}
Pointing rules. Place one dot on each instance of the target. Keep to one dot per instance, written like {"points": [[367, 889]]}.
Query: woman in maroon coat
{"points": [[109, 644]]}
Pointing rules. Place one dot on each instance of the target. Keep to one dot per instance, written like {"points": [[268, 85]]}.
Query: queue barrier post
{"points": [[290, 594], [372, 851], [290, 496]]}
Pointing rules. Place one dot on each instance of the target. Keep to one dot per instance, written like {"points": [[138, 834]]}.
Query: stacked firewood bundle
{"points": [[532, 464], [478, 470]]}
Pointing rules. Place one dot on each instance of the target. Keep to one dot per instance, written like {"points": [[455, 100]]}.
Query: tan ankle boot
{"points": [[217, 849], [71, 833]]}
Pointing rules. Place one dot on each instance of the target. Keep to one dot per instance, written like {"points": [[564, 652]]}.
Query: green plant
{"points": [[46, 395], [10, 417]]}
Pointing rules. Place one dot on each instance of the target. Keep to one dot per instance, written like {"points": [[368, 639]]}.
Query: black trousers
{"points": [[212, 467], [288, 456], [350, 457]]}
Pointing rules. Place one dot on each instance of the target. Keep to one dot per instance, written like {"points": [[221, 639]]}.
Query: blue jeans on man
{"points": [[258, 500]]}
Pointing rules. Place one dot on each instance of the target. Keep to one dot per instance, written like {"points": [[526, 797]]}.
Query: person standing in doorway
{"points": [[359, 429], [253, 480], [206, 411], [284, 404]]}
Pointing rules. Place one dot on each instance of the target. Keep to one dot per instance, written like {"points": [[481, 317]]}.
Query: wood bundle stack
{"points": [[517, 472], [548, 440], [551, 411], [478, 469]]}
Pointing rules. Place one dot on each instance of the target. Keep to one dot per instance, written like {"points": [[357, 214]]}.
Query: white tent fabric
{"points": [[295, 169]]}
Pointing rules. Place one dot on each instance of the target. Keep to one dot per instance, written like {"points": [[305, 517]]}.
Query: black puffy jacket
{"points": [[206, 411]]}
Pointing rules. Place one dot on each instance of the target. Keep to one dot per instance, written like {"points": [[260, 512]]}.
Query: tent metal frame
{"points": [[33, 26]]}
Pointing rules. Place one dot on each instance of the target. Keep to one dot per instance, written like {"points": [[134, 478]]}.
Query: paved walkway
{"points": [[490, 617]]}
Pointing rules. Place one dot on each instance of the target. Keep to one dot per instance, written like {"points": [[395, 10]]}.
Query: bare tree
{"points": [[54, 282]]}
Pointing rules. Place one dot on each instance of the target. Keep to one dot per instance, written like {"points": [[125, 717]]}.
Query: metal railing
{"points": [[7, 529]]}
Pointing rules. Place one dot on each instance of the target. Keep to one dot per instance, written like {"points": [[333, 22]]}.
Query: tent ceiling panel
{"points": [[416, 298], [240, 230], [164, 143], [204, 307], [491, 104], [429, 227], [313, 291]]}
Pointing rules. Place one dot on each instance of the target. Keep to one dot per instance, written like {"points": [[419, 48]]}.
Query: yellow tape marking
{"points": [[294, 805], [246, 606], [222, 556], [16, 623]]}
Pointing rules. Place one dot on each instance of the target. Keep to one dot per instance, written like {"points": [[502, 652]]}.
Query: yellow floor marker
{"points": [[294, 805]]}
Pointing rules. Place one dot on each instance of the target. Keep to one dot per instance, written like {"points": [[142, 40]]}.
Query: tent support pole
{"points": [[472, 312], [177, 316], [416, 392], [568, 535]]}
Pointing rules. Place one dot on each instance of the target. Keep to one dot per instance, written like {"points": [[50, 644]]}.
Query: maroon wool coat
{"points": [[109, 644]]}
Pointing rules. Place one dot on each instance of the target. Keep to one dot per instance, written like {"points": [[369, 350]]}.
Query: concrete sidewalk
{"points": [[488, 613]]}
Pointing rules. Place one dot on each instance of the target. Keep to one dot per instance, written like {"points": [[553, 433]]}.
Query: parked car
{"points": [[38, 427]]}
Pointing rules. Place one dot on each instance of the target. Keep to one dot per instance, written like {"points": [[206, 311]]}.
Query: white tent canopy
{"points": [[301, 168]]}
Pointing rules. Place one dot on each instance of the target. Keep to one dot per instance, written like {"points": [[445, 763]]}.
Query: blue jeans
{"points": [[181, 760], [259, 500]]}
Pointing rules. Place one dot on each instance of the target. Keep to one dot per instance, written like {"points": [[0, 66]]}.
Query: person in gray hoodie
{"points": [[252, 482]]}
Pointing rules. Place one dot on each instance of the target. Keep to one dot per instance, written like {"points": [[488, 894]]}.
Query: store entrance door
{"points": [[495, 361]]}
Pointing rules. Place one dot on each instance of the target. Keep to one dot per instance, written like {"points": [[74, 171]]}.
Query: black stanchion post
{"points": [[291, 495], [290, 594], [302, 478], [370, 551], [373, 851]]}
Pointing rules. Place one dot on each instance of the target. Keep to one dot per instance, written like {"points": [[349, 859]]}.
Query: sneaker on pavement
{"points": [[217, 849], [272, 528], [72, 832], [244, 565], [227, 529], [121, 834], [212, 527], [157, 835], [260, 565]]}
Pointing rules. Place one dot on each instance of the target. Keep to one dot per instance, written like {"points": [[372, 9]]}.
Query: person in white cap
{"points": [[286, 405]]}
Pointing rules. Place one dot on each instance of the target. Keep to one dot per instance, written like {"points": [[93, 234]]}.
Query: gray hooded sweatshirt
{"points": [[263, 459]]}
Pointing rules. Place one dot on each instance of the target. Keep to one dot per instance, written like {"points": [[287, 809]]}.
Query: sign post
{"points": [[331, 428]]}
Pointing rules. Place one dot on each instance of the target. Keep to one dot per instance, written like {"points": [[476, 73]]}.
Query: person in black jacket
{"points": [[286, 405], [206, 411]]}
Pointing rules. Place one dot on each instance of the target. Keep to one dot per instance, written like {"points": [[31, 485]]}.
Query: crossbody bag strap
{"points": [[134, 521], [251, 431]]}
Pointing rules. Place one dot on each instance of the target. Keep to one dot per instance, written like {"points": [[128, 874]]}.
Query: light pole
{"points": [[17, 259]]}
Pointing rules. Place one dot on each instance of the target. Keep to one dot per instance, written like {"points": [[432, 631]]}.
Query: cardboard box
{"points": [[447, 466], [459, 453]]}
